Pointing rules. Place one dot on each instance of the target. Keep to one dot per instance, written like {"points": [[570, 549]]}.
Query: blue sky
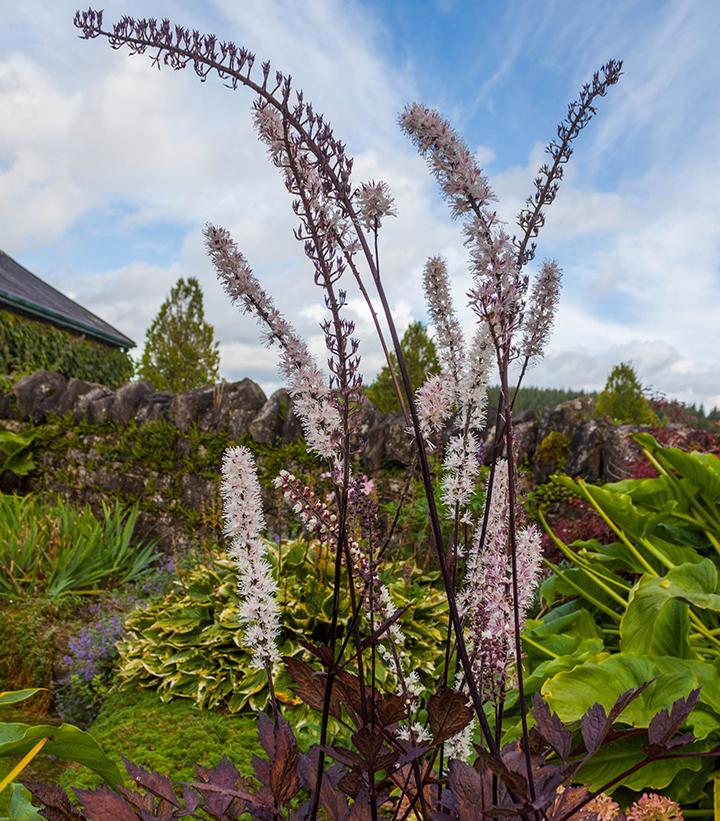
{"points": [[109, 169]]}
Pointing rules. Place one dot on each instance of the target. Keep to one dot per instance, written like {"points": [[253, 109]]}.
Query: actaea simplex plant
{"points": [[398, 765]]}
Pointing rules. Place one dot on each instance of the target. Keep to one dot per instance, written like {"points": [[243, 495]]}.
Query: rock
{"points": [[127, 400], [156, 406], [75, 389], [99, 409], [618, 451], [388, 443], [268, 425], [188, 408], [586, 450], [292, 426], [39, 394], [97, 393], [525, 433], [118, 480], [565, 417], [197, 491], [8, 406], [235, 405]]}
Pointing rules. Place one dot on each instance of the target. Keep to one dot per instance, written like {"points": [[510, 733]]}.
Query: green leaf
{"points": [[571, 694], [614, 759], [66, 742], [656, 621], [14, 696], [655, 624], [20, 807]]}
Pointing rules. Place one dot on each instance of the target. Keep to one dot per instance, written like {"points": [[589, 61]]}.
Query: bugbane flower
{"points": [[244, 523], [460, 178], [312, 399], [541, 308], [460, 465], [448, 333], [374, 203], [486, 599]]}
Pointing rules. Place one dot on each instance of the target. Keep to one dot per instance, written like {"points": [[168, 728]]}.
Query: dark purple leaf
{"points": [[596, 723], [514, 781], [341, 754], [261, 768], [448, 714], [391, 709], [679, 741], [624, 699], [368, 743], [594, 727], [410, 754], [56, 805], [551, 728], [266, 734], [466, 786], [191, 799], [332, 800], [361, 809], [666, 723], [154, 782], [144, 802], [310, 686], [284, 781], [222, 785], [350, 783], [102, 804]]}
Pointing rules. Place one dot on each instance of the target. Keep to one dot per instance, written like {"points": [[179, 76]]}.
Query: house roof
{"points": [[22, 291]]}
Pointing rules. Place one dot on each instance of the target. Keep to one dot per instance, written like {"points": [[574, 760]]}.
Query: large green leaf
{"points": [[657, 621], [613, 759], [572, 693], [654, 623], [66, 742]]}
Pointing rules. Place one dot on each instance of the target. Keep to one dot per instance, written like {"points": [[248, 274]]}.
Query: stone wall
{"points": [[163, 450]]}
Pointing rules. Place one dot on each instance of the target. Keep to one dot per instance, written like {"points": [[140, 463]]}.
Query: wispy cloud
{"points": [[93, 142]]}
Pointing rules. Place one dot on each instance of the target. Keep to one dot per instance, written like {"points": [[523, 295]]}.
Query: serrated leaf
{"points": [[666, 723], [284, 781], [551, 728], [102, 804], [310, 686], [594, 727], [56, 805], [448, 714]]}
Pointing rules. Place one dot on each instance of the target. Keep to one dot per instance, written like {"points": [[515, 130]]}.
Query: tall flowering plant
{"points": [[426, 750]]}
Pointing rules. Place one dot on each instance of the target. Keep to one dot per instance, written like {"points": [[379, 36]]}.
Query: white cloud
{"points": [[86, 130]]}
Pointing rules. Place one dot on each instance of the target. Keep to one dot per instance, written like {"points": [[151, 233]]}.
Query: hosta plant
{"points": [[402, 731], [189, 643]]}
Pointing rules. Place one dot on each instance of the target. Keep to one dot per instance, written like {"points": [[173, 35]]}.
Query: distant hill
{"points": [[535, 399]]}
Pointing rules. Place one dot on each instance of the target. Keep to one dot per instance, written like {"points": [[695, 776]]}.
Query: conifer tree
{"points": [[180, 350], [421, 359], [622, 398]]}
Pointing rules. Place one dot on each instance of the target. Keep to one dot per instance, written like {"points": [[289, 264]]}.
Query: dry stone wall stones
{"points": [[39, 394], [267, 427], [127, 401]]}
